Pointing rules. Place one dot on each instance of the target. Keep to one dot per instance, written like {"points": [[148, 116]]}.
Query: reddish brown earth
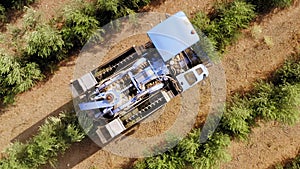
{"points": [[268, 145], [244, 62], [250, 60]]}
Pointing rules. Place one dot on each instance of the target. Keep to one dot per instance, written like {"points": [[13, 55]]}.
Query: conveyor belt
{"points": [[118, 64], [142, 111]]}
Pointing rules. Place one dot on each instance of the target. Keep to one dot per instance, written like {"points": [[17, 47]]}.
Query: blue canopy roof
{"points": [[173, 35]]}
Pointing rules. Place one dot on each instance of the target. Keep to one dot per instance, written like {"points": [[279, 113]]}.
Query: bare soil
{"points": [[249, 60], [268, 144], [246, 61]]}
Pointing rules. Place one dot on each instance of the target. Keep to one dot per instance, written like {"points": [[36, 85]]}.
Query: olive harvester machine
{"points": [[136, 83]]}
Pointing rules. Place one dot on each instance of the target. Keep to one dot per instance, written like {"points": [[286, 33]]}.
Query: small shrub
{"points": [[111, 6], [168, 160], [288, 101], [223, 27], [190, 151], [78, 27], [109, 10], [16, 78], [256, 31], [230, 19], [140, 164], [14, 155], [278, 103], [237, 117], [262, 102], [213, 152], [268, 41], [189, 146], [6, 6], [289, 73], [201, 21], [31, 18], [45, 44]]}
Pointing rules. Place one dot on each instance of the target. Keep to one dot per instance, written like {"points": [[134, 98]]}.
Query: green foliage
{"points": [[213, 152], [74, 134], [31, 18], [111, 6], [169, 160], [262, 102], [269, 101], [201, 21], [54, 137], [40, 45], [109, 10], [16, 77], [289, 73], [140, 164], [224, 25], [79, 25], [190, 151], [232, 17], [15, 152], [288, 101], [7, 5], [189, 146], [264, 6], [236, 118], [45, 42], [278, 103], [2, 14]]}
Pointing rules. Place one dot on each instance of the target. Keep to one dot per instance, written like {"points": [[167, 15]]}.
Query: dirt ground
{"points": [[250, 60], [244, 62]]}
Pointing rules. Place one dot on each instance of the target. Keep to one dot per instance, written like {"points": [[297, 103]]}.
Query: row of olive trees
{"points": [[189, 152], [41, 45], [224, 24], [276, 99], [53, 138]]}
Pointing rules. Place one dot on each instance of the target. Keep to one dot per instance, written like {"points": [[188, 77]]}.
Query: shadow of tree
{"points": [[67, 159]]}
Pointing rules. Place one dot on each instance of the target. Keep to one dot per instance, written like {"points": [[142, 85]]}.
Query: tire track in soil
{"points": [[240, 68]]}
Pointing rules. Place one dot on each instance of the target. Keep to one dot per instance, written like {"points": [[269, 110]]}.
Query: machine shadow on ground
{"points": [[83, 149]]}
